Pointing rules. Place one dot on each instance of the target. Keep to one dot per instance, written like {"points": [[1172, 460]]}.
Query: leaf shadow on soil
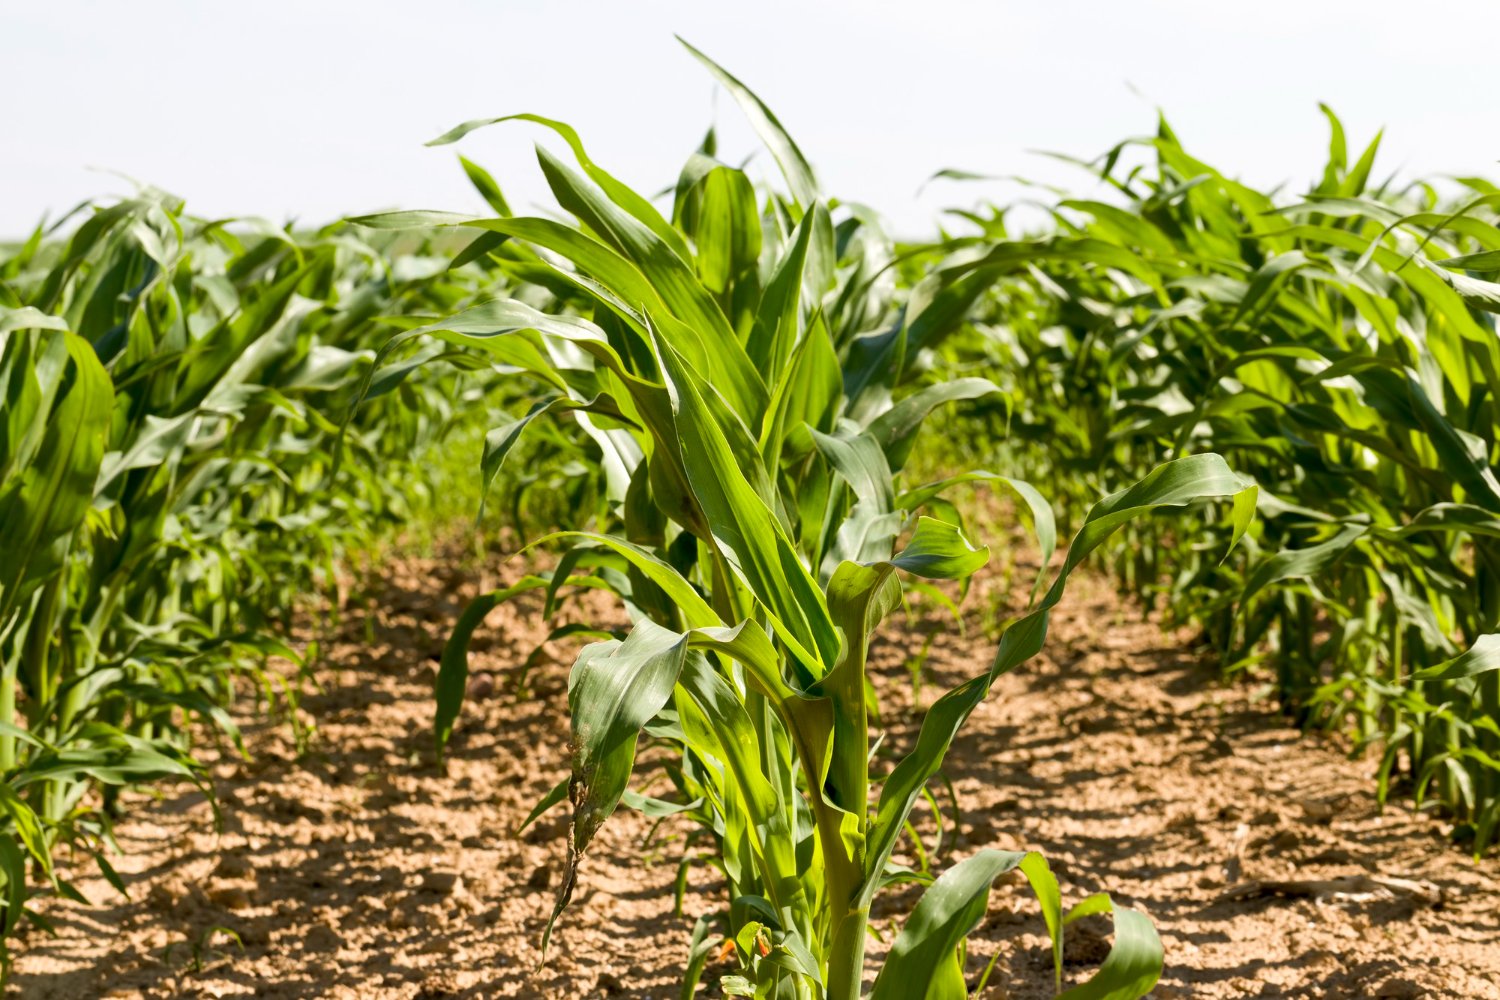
{"points": [[1122, 757], [359, 870]]}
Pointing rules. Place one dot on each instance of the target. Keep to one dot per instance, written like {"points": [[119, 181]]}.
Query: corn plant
{"points": [[165, 488], [746, 368], [1340, 348]]}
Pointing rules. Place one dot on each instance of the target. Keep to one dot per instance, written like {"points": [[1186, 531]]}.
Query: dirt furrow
{"points": [[352, 868]]}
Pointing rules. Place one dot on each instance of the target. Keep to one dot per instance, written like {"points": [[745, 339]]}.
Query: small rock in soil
{"points": [[481, 686], [321, 937], [445, 882], [232, 866], [1084, 944], [231, 897]]}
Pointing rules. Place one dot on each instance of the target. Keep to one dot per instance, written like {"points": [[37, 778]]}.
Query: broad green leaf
{"points": [[794, 167], [896, 428], [1175, 484], [944, 916], [46, 490], [1300, 563], [614, 690], [1480, 658], [939, 551]]}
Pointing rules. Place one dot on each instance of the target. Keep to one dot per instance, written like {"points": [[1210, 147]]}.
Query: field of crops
{"points": [[777, 512]]}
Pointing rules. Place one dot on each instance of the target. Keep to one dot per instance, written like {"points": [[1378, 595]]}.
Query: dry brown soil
{"points": [[355, 869]]}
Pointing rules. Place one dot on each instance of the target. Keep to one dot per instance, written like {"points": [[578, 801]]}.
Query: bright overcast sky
{"points": [[317, 109]]}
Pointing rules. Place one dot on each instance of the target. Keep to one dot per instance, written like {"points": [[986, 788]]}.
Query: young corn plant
{"points": [[164, 490], [1341, 349], [746, 370]]}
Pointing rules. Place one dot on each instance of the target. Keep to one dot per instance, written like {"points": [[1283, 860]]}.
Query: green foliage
{"points": [[710, 410], [1340, 349], [745, 367], [166, 452]]}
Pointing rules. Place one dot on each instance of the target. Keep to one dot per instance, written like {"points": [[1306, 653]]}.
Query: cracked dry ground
{"points": [[356, 870]]}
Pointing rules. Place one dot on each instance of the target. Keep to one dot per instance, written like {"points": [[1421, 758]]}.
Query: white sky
{"points": [[316, 109]]}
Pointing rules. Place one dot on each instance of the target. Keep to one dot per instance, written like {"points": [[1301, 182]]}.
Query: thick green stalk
{"points": [[843, 875], [843, 878], [8, 682], [844, 853], [37, 649], [846, 956]]}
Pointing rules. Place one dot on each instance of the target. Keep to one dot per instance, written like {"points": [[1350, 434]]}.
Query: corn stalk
{"points": [[747, 374]]}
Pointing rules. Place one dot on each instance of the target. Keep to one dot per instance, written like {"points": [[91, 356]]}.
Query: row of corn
{"points": [[1339, 348], [201, 416], [172, 391]]}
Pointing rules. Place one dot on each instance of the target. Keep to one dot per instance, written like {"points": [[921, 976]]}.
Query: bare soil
{"points": [[357, 869]]}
